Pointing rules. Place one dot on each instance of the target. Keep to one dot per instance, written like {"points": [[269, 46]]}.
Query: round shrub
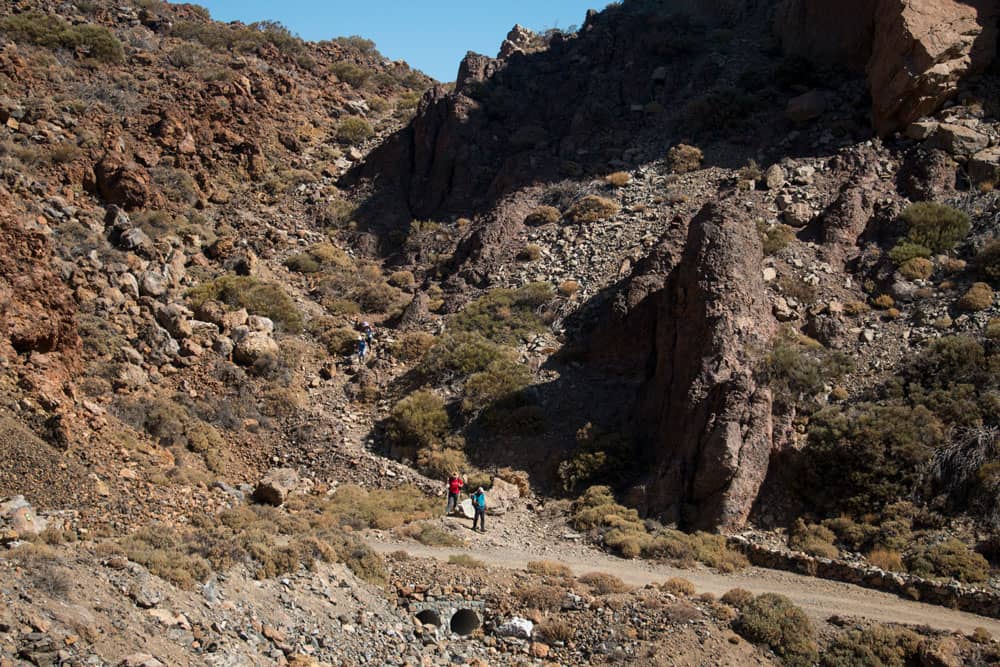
{"points": [[988, 260], [543, 215], [354, 130], [684, 158], [951, 558], [591, 209], [419, 420], [772, 619], [918, 268], [979, 297]]}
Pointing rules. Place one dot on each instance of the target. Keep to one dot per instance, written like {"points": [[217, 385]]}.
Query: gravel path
{"points": [[820, 598]]}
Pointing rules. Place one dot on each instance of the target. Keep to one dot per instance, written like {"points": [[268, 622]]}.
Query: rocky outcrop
{"points": [[702, 415], [278, 484], [915, 52], [922, 49]]}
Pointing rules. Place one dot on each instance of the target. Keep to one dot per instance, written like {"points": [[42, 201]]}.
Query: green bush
{"points": [[419, 420], [355, 75], [591, 209], [319, 257], [413, 346], [797, 372], [258, 297], [601, 457], [354, 130], [861, 458], [772, 619], [949, 558], [904, 251], [458, 354], [52, 32], [935, 226], [880, 645], [505, 315], [499, 380]]}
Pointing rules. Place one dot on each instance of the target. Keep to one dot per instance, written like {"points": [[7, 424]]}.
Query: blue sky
{"points": [[432, 36]]}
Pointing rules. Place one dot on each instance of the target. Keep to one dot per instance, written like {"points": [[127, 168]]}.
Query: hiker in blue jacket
{"points": [[479, 505], [362, 348]]}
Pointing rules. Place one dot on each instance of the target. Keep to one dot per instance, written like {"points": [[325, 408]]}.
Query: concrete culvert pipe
{"points": [[429, 617], [465, 622]]}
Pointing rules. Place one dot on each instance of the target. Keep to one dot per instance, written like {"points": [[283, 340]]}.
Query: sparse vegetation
{"points": [[418, 421], [505, 315], [259, 298], [603, 583], [917, 268], [623, 531], [52, 32], [988, 260], [466, 561], [678, 586], [775, 238], [549, 568]]}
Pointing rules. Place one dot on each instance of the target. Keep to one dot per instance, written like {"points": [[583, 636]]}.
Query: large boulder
{"points": [[921, 50], [122, 181], [278, 484], [254, 346], [502, 496]]}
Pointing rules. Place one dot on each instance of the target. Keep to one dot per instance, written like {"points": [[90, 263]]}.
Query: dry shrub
{"points": [[883, 302], [979, 297], [549, 568], [530, 253], [429, 534], [542, 596], [555, 630], [466, 561], [879, 644], [684, 158], [681, 612], [736, 597], [602, 583], [568, 288], [591, 209], [918, 268], [413, 346], [813, 539], [543, 215], [402, 279], [886, 559], [618, 179], [678, 586]]}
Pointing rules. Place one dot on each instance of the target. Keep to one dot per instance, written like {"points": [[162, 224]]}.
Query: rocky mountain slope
{"points": [[722, 266]]}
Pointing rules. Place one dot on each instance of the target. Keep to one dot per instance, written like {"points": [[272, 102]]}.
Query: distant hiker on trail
{"points": [[362, 348], [455, 485], [479, 505]]}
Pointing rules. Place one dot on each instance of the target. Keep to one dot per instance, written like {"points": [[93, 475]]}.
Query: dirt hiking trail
{"points": [[820, 598]]}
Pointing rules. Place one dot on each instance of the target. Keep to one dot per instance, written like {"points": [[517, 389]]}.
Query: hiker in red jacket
{"points": [[455, 485]]}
